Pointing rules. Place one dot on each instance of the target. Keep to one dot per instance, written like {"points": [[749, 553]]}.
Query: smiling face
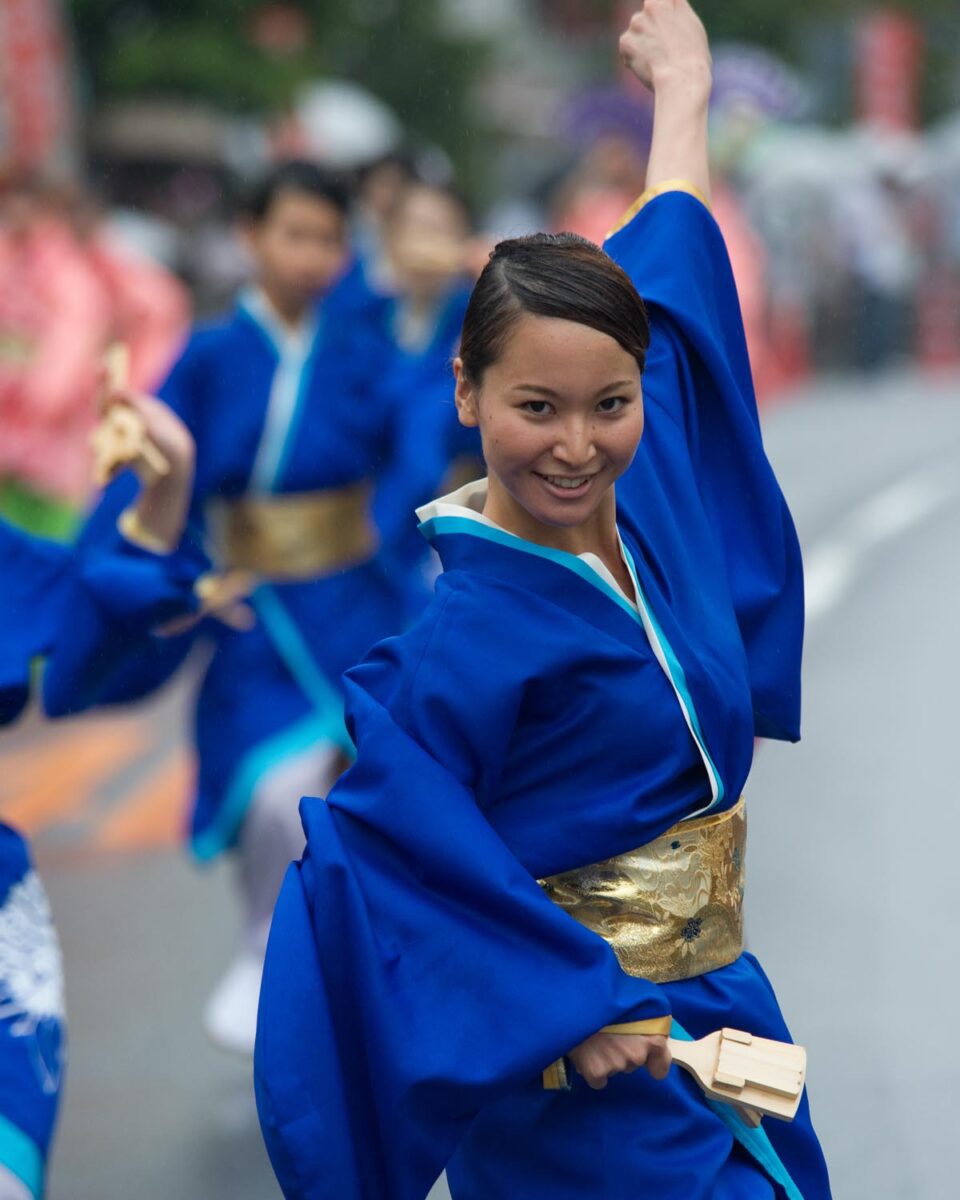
{"points": [[560, 414]]}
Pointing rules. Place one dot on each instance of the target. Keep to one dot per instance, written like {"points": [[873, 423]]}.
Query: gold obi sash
{"points": [[300, 535], [672, 909]]}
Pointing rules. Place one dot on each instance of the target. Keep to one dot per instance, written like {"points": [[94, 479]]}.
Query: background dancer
{"points": [[32, 1028], [278, 431]]}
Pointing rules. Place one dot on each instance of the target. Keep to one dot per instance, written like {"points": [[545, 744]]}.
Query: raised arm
{"points": [[666, 47], [702, 442], [134, 570]]}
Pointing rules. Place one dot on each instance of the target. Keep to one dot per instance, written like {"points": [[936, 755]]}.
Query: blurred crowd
{"points": [[845, 244], [857, 234]]}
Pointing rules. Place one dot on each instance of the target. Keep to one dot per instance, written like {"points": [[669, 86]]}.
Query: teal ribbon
{"points": [[290, 644]]}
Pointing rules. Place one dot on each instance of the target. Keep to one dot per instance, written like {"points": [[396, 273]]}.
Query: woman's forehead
{"points": [[545, 349]]}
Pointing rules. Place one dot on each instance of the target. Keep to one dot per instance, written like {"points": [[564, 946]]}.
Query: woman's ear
{"points": [[465, 396]]}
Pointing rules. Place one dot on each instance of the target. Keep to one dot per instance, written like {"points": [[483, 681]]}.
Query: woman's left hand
{"points": [[606, 1054], [666, 42]]}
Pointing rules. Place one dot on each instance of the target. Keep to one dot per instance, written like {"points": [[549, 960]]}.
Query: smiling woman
{"points": [[619, 616], [554, 342]]}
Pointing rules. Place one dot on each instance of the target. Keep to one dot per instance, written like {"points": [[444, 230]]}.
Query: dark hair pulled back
{"points": [[297, 175], [550, 275]]}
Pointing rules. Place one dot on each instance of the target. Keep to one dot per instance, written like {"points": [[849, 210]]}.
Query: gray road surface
{"points": [[852, 893]]}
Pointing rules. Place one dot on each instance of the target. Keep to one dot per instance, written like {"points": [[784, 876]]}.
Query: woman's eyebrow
{"points": [[539, 388], [543, 390], [617, 383]]}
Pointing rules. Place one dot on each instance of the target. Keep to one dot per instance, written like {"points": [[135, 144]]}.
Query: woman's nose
{"points": [[575, 445]]}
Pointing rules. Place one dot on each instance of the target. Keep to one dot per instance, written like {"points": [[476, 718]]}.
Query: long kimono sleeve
{"points": [[698, 366], [416, 972], [120, 593], [33, 586]]}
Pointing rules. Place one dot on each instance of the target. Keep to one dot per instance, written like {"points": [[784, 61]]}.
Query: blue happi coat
{"points": [[418, 980], [268, 416], [32, 1033]]}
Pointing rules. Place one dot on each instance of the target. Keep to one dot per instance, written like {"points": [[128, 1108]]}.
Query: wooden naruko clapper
{"points": [[759, 1077]]}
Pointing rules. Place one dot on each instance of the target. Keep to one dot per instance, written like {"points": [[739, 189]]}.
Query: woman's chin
{"points": [[562, 514]]}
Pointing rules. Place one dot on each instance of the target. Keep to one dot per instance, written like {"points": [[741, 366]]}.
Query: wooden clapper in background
{"points": [[120, 440]]}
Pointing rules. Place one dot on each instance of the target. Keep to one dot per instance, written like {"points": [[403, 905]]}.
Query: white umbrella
{"points": [[344, 125]]}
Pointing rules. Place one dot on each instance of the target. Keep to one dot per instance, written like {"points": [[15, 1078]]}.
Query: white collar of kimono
{"points": [[293, 346], [292, 340], [467, 502]]}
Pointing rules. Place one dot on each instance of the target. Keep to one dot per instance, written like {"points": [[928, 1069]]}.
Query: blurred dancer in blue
{"points": [[279, 433], [32, 1031], [539, 851], [424, 287]]}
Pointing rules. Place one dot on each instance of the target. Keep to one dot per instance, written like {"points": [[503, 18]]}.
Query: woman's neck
{"points": [[596, 535]]}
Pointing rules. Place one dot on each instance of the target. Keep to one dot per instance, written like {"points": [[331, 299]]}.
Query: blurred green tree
{"points": [[253, 55]]}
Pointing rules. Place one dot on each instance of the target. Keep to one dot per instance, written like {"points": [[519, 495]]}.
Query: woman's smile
{"points": [[567, 487]]}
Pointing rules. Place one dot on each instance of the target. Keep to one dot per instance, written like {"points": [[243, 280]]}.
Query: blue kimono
{"points": [[33, 579], [32, 1033], [418, 980], [270, 416]]}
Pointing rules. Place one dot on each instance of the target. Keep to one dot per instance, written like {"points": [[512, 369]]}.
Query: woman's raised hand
{"points": [[666, 42], [666, 47], [607, 1054]]}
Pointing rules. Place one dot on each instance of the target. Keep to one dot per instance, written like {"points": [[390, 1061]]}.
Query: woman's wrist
{"points": [[160, 510], [688, 83]]}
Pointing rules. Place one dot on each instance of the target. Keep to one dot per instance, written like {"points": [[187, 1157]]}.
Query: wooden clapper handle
{"points": [[121, 438], [759, 1077]]}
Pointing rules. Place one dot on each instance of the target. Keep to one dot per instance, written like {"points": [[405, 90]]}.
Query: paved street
{"points": [[851, 883]]}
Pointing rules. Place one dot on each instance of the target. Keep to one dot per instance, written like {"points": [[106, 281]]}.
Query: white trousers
{"points": [[272, 836], [11, 1188]]}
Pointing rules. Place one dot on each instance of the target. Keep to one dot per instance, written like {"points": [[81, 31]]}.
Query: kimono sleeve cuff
{"points": [[668, 185], [132, 530]]}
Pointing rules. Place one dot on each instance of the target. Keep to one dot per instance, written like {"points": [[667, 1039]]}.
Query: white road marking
{"points": [[832, 564]]}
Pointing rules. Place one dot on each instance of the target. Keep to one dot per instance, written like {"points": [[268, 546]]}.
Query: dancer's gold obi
{"points": [[297, 535], [672, 909]]}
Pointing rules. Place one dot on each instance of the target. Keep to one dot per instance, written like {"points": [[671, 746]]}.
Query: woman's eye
{"points": [[538, 408], [612, 404]]}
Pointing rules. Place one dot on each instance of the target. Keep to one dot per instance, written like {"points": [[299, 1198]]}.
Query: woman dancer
{"points": [[577, 707]]}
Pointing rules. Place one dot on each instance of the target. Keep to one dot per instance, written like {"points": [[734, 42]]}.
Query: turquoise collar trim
{"points": [[438, 526]]}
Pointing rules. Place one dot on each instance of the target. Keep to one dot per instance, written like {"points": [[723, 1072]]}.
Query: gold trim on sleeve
{"points": [[668, 185], [652, 1027], [555, 1078], [132, 530]]}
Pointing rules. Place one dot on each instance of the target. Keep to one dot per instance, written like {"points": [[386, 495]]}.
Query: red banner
{"points": [[889, 59], [36, 111]]}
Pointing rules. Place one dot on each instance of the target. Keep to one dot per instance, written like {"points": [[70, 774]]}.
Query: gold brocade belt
{"points": [[295, 536], [672, 909]]}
